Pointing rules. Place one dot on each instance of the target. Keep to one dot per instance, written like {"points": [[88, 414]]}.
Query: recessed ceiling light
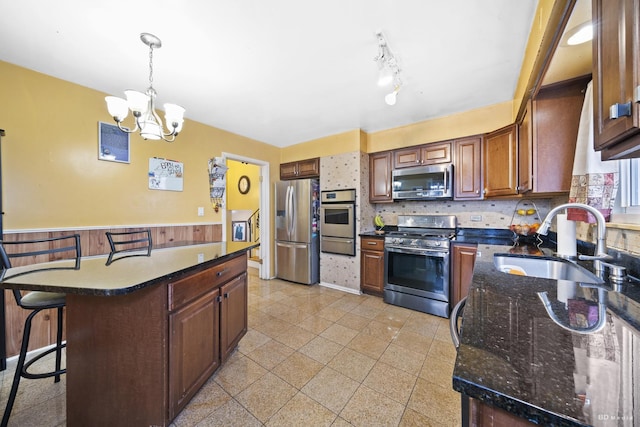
{"points": [[578, 35]]}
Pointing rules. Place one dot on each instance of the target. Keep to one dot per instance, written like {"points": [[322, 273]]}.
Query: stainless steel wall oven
{"points": [[416, 263], [337, 222]]}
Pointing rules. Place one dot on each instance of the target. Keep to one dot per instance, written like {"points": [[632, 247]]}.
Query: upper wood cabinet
{"points": [[501, 162], [555, 115], [309, 168], [616, 77], [467, 183], [380, 177], [428, 154]]}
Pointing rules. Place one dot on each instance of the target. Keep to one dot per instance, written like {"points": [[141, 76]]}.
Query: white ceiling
{"points": [[280, 71]]}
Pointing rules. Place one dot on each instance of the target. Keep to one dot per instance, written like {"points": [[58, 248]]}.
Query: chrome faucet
{"points": [[601, 243]]}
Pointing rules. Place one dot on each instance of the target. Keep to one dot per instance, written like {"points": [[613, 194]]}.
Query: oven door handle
{"points": [[425, 252], [337, 239]]}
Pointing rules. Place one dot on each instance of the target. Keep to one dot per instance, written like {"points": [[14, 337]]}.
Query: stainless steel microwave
{"points": [[423, 182]]}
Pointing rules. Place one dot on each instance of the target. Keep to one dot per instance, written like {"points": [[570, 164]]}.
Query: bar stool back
{"points": [[65, 252], [129, 243]]}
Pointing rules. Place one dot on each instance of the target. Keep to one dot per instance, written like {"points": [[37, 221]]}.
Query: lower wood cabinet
{"points": [[372, 265], [483, 415], [463, 258], [233, 314], [194, 348], [207, 319]]}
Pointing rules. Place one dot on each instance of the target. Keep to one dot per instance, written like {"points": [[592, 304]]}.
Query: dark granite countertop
{"points": [[123, 275], [512, 355]]}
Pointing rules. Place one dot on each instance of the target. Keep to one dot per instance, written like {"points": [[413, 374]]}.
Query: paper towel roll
{"points": [[566, 236]]}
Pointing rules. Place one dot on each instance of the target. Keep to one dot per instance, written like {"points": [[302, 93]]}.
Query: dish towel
{"points": [[593, 182]]}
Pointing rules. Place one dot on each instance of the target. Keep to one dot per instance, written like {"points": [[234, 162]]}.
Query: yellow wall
{"points": [[52, 177], [345, 142], [471, 122], [235, 200], [538, 27]]}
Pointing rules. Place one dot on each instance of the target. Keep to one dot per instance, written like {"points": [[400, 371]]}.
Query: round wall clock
{"points": [[244, 184]]}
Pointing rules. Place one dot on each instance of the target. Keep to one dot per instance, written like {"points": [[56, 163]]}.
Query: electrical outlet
{"points": [[200, 211], [476, 218]]}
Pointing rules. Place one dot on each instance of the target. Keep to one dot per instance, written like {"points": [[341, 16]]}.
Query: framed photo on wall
{"points": [[238, 231], [113, 144]]}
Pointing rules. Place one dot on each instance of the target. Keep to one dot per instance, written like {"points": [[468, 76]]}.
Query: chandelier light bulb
{"points": [[391, 98]]}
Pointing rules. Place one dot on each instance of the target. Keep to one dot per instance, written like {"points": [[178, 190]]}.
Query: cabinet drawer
{"points": [[372, 244], [184, 290]]}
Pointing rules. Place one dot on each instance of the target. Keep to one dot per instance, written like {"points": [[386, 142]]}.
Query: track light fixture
{"points": [[389, 72], [142, 105]]}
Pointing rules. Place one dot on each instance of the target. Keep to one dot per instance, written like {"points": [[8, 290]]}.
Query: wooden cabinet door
{"points": [[372, 265], [481, 414], [463, 258], [467, 184], [380, 177], [432, 154], [288, 170], [194, 352], [556, 117], [615, 74], [428, 154], [525, 152], [500, 162], [233, 316], [309, 168], [407, 157]]}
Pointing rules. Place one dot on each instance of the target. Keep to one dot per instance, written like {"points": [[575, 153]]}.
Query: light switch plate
{"points": [[200, 211]]}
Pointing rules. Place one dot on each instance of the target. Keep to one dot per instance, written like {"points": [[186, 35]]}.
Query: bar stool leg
{"points": [[59, 344], [16, 377]]}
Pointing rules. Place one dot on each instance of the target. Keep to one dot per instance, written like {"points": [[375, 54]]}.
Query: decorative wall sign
{"points": [[165, 174], [113, 144]]}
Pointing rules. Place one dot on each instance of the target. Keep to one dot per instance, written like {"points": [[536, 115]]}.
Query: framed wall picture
{"points": [[113, 144], [238, 231]]}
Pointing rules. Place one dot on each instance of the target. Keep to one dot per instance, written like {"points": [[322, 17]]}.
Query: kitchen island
{"points": [[515, 360], [144, 333]]}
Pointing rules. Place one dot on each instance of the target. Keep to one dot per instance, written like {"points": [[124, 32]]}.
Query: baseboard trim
{"points": [[341, 288]]}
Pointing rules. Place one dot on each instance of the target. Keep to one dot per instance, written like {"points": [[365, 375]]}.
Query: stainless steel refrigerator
{"points": [[297, 233]]}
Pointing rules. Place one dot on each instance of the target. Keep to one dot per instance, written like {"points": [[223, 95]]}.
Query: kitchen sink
{"points": [[544, 267]]}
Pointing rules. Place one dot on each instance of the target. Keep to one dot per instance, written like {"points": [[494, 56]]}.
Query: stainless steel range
{"points": [[416, 263]]}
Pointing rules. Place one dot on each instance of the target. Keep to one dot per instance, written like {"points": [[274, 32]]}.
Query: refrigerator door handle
{"points": [[292, 210], [287, 208], [292, 245]]}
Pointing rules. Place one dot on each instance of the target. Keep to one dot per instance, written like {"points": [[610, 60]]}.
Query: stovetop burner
{"points": [[423, 231]]}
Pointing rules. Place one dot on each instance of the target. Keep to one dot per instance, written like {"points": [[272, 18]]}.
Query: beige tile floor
{"points": [[312, 356]]}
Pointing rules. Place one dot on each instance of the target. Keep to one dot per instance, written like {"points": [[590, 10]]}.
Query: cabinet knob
{"points": [[226, 295], [477, 191], [619, 110], [221, 272]]}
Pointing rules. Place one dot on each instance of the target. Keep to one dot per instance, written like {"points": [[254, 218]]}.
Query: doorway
{"points": [[247, 202]]}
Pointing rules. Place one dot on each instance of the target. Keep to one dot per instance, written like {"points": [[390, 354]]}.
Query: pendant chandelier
{"points": [[142, 106]]}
